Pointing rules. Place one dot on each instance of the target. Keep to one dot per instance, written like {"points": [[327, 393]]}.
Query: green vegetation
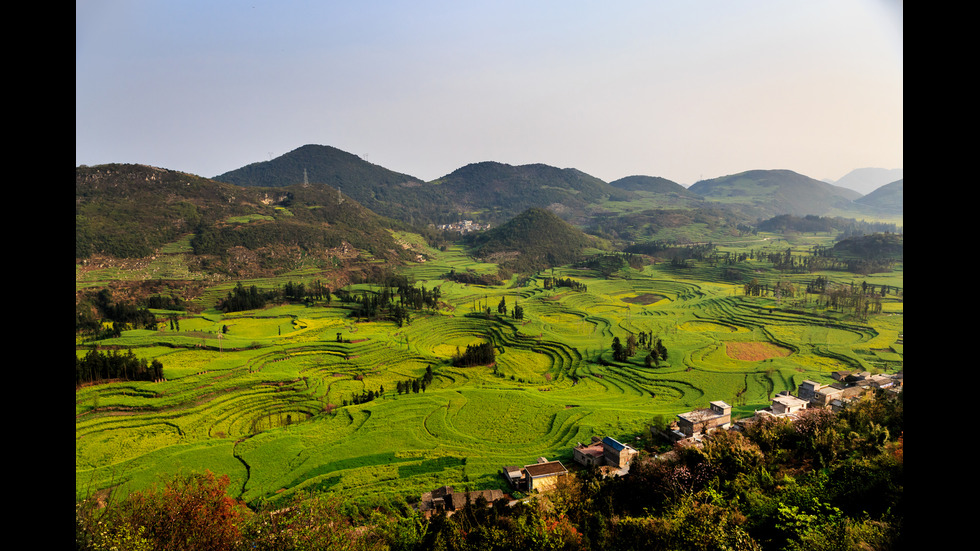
{"points": [[822, 482], [333, 384]]}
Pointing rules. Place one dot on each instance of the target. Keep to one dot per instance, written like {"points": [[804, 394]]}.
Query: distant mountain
{"points": [[487, 191], [502, 191], [889, 197], [866, 180], [767, 193], [132, 211], [533, 240], [652, 184]]}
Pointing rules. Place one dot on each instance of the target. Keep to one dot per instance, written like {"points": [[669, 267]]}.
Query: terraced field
{"points": [[265, 403]]}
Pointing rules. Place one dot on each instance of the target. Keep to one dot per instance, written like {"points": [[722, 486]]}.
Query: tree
{"points": [[518, 312], [619, 352]]}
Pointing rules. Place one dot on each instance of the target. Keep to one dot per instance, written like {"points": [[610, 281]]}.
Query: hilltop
{"points": [[379, 189], [132, 211], [652, 184], [502, 191]]}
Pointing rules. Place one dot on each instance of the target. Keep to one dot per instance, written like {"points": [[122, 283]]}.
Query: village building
{"points": [[787, 404], [589, 455], [604, 452], [447, 499], [543, 476], [697, 422]]}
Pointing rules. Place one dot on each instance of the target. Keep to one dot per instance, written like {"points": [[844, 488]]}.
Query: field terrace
{"points": [[265, 404]]}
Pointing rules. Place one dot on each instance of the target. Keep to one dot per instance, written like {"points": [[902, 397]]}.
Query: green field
{"points": [[264, 403]]}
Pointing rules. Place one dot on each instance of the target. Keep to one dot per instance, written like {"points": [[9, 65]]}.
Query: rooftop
{"points": [[545, 469]]}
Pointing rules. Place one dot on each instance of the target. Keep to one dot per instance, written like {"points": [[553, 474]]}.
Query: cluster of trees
{"points": [[391, 303], [475, 354], [811, 223], [299, 292], [251, 298], [416, 385], [656, 351], [553, 282], [607, 264], [470, 277], [240, 299], [97, 366], [101, 310], [364, 397], [824, 482], [782, 288]]}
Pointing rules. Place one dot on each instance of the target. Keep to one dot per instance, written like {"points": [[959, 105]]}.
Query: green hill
{"points": [[652, 184], [889, 197], [533, 240], [767, 193], [383, 191], [501, 191], [488, 191], [131, 211]]}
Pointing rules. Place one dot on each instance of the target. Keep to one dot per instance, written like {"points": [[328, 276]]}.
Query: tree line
{"points": [[252, 298], [97, 367], [390, 303]]}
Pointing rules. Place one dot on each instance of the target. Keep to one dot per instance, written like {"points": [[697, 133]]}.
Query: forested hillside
{"points": [[533, 240], [131, 211]]}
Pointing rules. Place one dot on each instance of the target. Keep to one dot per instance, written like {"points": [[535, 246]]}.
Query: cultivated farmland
{"points": [[275, 397]]}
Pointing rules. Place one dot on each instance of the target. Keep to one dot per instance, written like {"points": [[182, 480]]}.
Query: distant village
{"points": [[464, 226], [613, 458]]}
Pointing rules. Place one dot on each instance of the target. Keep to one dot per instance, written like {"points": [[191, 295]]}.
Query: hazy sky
{"points": [[680, 89]]}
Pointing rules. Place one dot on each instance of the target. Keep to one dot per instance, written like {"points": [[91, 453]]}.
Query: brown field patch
{"points": [[755, 351], [644, 299]]}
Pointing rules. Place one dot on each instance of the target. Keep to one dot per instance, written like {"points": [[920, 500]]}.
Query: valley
{"points": [[298, 344]]}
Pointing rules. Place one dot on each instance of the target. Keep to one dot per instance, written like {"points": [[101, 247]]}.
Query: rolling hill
{"points": [[767, 193], [533, 240], [889, 197], [500, 191], [866, 180], [488, 191], [381, 190], [652, 184], [131, 211]]}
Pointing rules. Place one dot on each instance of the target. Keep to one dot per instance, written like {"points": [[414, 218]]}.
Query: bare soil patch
{"points": [[755, 351], [644, 299]]}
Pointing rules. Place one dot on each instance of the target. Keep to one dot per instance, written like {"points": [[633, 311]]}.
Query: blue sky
{"points": [[679, 89]]}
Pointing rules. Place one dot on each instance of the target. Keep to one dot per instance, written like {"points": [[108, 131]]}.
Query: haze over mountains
{"points": [[866, 180]]}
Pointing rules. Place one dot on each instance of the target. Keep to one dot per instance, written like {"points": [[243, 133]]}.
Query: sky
{"points": [[684, 90]]}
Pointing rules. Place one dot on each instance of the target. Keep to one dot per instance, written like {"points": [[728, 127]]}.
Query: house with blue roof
{"points": [[604, 452]]}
